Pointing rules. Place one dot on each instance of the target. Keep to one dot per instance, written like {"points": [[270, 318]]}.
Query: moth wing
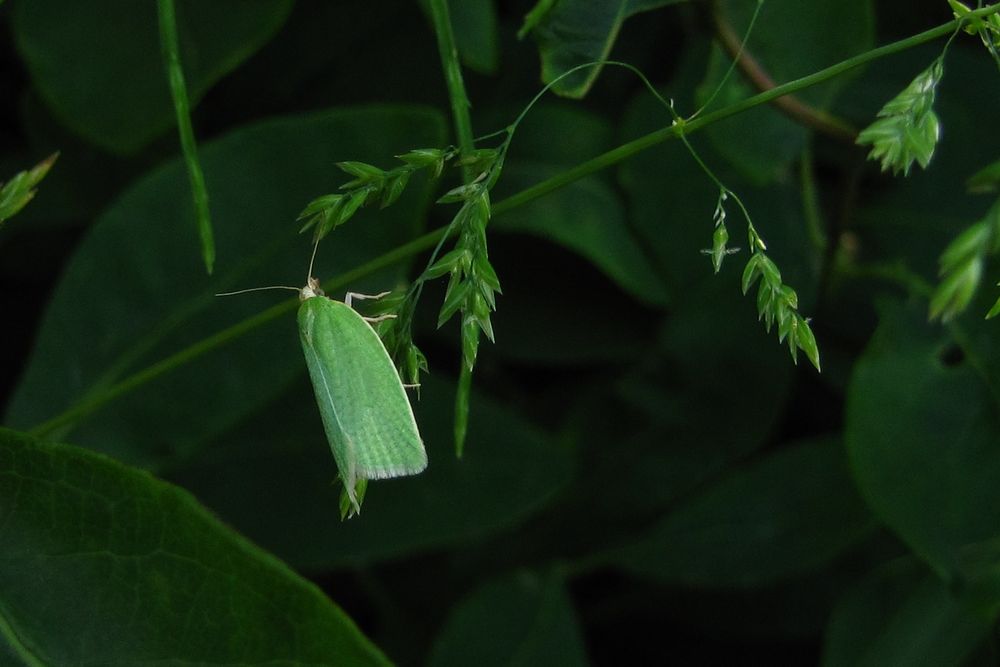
{"points": [[366, 412]]}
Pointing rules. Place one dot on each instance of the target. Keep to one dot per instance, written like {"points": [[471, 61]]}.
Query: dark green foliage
{"points": [[104, 563], [647, 477]]}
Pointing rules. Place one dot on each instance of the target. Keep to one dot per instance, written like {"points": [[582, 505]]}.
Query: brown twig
{"points": [[790, 105]]}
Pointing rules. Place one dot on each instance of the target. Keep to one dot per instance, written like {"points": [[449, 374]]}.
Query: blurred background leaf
{"points": [[525, 617], [476, 34], [511, 473], [922, 431], [575, 32], [902, 615], [99, 68], [791, 513], [105, 564], [835, 30]]}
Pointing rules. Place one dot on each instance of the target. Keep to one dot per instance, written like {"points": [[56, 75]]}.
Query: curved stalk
{"points": [[428, 240]]}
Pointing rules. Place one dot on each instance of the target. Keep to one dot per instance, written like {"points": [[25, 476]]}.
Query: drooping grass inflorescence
{"points": [[907, 130], [20, 189]]}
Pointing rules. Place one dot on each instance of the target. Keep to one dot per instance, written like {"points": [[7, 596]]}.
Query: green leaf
{"points": [[691, 425], [574, 32], [153, 304], [922, 436], [767, 153], [588, 218], [19, 190], [104, 564], [901, 615], [535, 16], [98, 64], [597, 324], [476, 34], [509, 472], [834, 30], [986, 179], [785, 515], [517, 619]]}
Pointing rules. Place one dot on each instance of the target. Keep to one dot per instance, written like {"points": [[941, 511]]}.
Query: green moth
{"points": [[365, 410]]}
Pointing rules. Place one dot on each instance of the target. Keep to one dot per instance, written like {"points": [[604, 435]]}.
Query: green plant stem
{"points": [[793, 107], [453, 77], [896, 273], [466, 144], [428, 240], [629, 149], [810, 202], [178, 90], [229, 334]]}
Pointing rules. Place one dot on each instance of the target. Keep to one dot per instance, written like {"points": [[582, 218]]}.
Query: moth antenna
{"points": [[313, 258], [257, 289]]}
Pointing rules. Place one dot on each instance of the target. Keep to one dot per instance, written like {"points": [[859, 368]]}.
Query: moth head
{"points": [[312, 288]]}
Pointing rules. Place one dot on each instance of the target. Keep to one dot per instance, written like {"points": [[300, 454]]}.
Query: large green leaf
{"points": [[518, 619], [132, 293], [675, 426], [104, 564], [476, 35], [507, 473], [574, 32], [474, 23], [766, 153], [786, 515], [589, 218], [586, 321], [901, 615], [834, 30], [98, 64], [922, 431]]}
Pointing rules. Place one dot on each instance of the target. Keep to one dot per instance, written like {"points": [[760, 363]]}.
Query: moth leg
{"points": [[361, 297], [380, 318]]}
